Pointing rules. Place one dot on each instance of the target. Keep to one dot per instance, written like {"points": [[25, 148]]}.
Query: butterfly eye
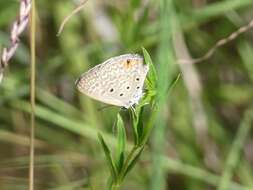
{"points": [[128, 61]]}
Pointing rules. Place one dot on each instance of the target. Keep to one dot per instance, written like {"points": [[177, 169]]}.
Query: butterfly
{"points": [[118, 81]]}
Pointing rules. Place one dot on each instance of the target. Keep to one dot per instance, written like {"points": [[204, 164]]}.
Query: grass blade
{"points": [[234, 153]]}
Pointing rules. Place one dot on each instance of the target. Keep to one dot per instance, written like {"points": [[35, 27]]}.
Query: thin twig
{"points": [[76, 10], [218, 44], [32, 93], [17, 28]]}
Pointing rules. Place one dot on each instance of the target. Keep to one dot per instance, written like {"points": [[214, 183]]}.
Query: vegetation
{"points": [[192, 128]]}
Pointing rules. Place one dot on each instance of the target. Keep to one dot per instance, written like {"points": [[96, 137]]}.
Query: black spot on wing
{"points": [[78, 80]]}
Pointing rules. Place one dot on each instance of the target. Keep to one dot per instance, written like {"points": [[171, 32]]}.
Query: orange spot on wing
{"points": [[128, 64]]}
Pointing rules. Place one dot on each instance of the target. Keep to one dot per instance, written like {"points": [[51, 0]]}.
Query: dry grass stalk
{"points": [[218, 44], [76, 10], [17, 28]]}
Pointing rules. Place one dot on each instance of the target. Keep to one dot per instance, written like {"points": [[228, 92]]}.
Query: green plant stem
{"points": [[127, 162], [115, 186], [130, 156], [149, 127]]}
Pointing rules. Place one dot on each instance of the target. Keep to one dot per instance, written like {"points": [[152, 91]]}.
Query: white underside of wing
{"points": [[105, 99], [93, 84]]}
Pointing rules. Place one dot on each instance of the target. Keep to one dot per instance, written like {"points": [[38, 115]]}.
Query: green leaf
{"points": [[151, 81], [137, 123], [152, 75], [133, 162], [171, 87], [120, 162], [121, 137], [140, 124], [108, 156], [134, 118], [148, 98]]}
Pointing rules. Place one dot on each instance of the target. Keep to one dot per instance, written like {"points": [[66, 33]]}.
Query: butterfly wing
{"points": [[92, 84], [117, 81]]}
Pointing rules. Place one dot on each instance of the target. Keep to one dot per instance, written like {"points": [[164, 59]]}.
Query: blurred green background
{"points": [[202, 139]]}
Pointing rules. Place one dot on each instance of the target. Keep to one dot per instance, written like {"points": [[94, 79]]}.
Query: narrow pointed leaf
{"points": [[134, 118], [121, 143], [108, 156], [152, 75], [171, 87], [151, 81], [140, 124], [120, 161]]}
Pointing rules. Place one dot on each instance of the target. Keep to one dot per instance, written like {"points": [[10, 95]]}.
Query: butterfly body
{"points": [[118, 81]]}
